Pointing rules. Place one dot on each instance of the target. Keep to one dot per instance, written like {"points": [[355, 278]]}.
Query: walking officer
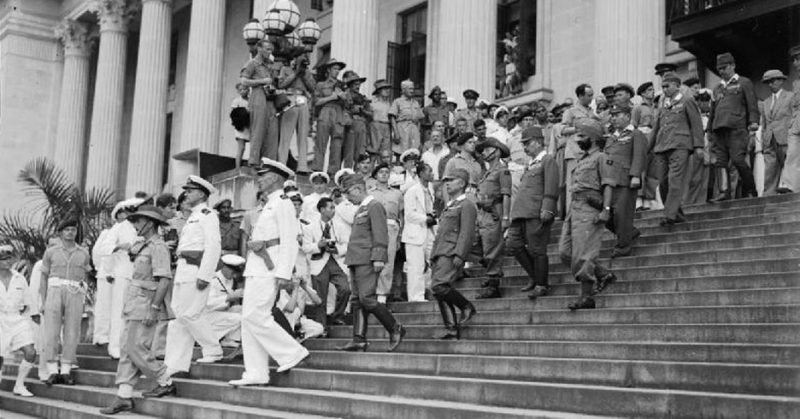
{"points": [[590, 209], [366, 257], [494, 205], [199, 250], [271, 257], [451, 247], [626, 154], [144, 307], [733, 116], [533, 212]]}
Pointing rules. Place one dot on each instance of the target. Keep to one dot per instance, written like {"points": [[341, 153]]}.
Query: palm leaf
{"points": [[28, 237], [52, 191]]}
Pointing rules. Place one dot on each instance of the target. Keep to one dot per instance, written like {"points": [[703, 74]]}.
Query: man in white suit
{"points": [[418, 232], [776, 115], [326, 248]]}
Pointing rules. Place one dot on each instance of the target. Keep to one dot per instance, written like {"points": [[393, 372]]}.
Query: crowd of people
{"points": [[394, 221]]}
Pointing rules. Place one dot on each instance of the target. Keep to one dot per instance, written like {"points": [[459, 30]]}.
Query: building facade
{"points": [[122, 94]]}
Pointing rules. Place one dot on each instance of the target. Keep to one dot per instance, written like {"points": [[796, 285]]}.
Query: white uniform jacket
{"points": [[418, 203], [201, 233], [277, 221]]}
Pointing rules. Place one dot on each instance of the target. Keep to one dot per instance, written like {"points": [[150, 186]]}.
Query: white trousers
{"points": [[116, 324], [226, 324], [418, 279], [262, 337], [188, 304], [102, 311]]}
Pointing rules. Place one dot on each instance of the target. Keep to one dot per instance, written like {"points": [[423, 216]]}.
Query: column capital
{"points": [[78, 38], [114, 15]]}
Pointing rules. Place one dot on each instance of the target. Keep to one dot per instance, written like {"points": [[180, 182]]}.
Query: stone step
{"points": [[492, 396], [656, 351], [691, 225], [721, 234], [733, 205], [638, 315], [194, 394], [756, 240], [769, 264], [566, 285], [39, 407], [780, 333], [89, 400], [687, 258], [516, 300], [323, 367]]}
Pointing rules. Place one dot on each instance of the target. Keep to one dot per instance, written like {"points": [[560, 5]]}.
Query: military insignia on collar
{"points": [[206, 211]]}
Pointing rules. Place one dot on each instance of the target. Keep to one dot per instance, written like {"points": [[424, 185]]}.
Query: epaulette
{"points": [[205, 211], [302, 221]]}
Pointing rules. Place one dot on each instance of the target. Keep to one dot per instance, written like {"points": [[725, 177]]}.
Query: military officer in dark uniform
{"points": [[677, 133], [366, 256], [733, 116], [494, 205], [451, 247], [533, 212], [626, 153], [590, 209]]}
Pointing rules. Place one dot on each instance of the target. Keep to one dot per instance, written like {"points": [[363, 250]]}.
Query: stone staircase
{"points": [[703, 323]]}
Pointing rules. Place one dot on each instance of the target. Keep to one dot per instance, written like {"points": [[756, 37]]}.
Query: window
{"points": [[516, 45], [316, 5], [173, 58], [406, 58], [167, 148]]}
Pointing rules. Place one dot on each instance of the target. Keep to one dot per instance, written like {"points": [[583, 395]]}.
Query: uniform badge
{"points": [[206, 211]]}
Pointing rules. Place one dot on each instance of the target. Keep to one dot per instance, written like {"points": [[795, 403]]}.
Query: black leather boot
{"points": [[490, 290], [722, 184], [467, 309], [448, 313], [359, 342]]}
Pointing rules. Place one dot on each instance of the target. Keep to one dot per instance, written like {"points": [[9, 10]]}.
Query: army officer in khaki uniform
{"points": [[626, 154]]}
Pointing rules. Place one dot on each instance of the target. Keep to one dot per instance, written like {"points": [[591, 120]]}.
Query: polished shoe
{"points": [[783, 190], [539, 291], [467, 314], [119, 405], [22, 391], [603, 283], [725, 196], [531, 285], [619, 253], [53, 379], [583, 302], [209, 359], [67, 380], [450, 333], [671, 221], [236, 354], [242, 382], [289, 366], [354, 347], [396, 337], [161, 391], [488, 292]]}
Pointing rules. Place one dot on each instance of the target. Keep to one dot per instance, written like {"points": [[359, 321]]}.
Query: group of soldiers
{"points": [[487, 182]]}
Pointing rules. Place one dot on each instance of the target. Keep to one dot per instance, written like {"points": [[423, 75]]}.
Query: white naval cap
{"points": [[408, 153], [337, 178], [319, 175], [196, 182], [128, 205], [233, 260], [269, 165]]}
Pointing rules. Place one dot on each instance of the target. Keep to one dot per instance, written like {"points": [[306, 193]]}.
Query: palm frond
{"points": [[26, 234], [52, 191]]}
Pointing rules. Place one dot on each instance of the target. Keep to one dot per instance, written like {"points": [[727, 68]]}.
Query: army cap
{"points": [[725, 58], [620, 109], [457, 173], [643, 87], [531, 133], [624, 87], [495, 143]]}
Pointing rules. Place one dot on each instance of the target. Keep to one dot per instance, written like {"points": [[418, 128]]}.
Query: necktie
{"points": [[326, 231]]}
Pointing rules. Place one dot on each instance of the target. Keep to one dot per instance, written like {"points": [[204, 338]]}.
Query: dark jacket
{"points": [[678, 126], [627, 154], [370, 235], [538, 189], [735, 105], [456, 229]]}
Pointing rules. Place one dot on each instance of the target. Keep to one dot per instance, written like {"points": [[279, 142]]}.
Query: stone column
{"points": [[149, 121], [102, 170], [354, 36], [202, 98], [71, 128], [620, 57], [456, 69]]}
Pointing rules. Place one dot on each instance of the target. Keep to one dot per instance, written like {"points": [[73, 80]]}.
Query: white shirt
{"points": [[201, 233], [432, 158], [218, 292], [277, 221], [119, 264], [16, 296]]}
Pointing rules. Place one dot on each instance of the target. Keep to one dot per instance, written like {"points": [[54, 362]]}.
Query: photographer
{"points": [[258, 75], [326, 249], [298, 84], [418, 232]]}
